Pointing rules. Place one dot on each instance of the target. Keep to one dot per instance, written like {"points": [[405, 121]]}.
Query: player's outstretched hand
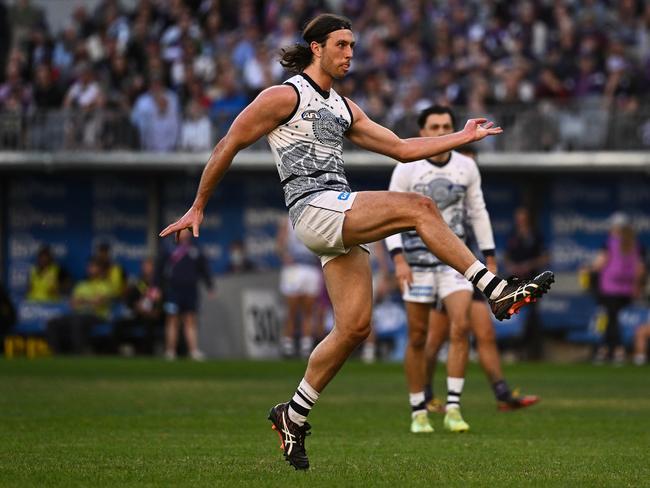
{"points": [[481, 128], [191, 220]]}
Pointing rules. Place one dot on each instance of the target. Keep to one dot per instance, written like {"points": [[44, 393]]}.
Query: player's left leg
{"points": [[349, 284], [457, 305], [488, 354]]}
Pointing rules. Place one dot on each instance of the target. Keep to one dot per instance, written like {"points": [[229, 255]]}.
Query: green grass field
{"points": [[117, 422]]}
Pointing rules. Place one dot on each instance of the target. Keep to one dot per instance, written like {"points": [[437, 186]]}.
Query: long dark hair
{"points": [[297, 57]]}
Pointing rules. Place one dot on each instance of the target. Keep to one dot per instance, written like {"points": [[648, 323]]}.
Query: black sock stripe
{"points": [[451, 402], [491, 286], [477, 277], [453, 393], [298, 408], [307, 400], [312, 400]]}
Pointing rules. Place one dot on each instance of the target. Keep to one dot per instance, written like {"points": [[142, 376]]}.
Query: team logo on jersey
{"points": [[329, 128], [310, 115]]}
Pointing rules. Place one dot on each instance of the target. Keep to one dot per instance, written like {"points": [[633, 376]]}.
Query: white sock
{"points": [[303, 400], [417, 402], [454, 390], [485, 281]]}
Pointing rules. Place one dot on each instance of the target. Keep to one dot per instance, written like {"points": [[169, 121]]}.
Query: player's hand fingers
{"points": [[195, 230], [487, 125], [168, 230], [495, 130], [479, 121]]}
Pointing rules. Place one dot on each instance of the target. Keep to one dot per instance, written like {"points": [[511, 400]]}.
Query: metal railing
{"points": [[581, 125]]}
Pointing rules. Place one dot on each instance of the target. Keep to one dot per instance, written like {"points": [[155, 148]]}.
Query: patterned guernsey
{"points": [[308, 146]]}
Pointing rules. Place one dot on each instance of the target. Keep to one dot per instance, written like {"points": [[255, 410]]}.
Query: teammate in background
{"points": [[453, 182], [305, 121], [483, 330], [301, 281]]}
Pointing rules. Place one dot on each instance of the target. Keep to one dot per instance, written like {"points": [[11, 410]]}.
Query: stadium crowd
{"points": [[172, 74]]}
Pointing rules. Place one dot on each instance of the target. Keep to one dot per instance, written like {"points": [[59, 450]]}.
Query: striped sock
{"points": [[417, 403], [481, 278], [300, 405], [454, 390]]}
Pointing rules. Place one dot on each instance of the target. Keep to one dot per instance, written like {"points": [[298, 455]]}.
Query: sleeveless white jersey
{"points": [[456, 188], [308, 146]]}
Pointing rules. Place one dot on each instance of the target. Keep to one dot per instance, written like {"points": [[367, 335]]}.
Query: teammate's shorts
{"points": [[301, 279], [320, 225], [437, 284], [422, 290]]}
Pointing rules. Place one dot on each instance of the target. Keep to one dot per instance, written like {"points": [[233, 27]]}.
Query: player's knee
{"points": [[417, 338], [485, 335], [459, 330], [358, 329], [424, 208]]}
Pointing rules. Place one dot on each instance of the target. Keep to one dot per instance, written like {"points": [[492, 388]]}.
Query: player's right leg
{"points": [[376, 215], [418, 316], [349, 284]]}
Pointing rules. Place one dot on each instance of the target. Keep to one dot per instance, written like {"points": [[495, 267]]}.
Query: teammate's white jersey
{"points": [[308, 146], [455, 186]]}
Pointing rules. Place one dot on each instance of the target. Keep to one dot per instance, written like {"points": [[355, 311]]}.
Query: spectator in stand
{"points": [[24, 17], [621, 268], [84, 101], [47, 93], [196, 132], [15, 88], [156, 115], [90, 303], [181, 270], [144, 301], [48, 282], [229, 103], [525, 257]]}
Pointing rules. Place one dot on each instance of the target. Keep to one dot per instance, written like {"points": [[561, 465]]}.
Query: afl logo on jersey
{"points": [[310, 115]]}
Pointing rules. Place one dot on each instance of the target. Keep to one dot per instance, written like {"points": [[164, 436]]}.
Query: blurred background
{"points": [[109, 108]]}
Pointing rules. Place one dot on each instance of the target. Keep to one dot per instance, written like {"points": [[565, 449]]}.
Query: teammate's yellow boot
{"points": [[454, 421], [420, 424]]}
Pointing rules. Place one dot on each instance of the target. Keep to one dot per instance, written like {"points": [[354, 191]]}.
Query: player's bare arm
{"points": [[263, 115], [374, 137]]}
